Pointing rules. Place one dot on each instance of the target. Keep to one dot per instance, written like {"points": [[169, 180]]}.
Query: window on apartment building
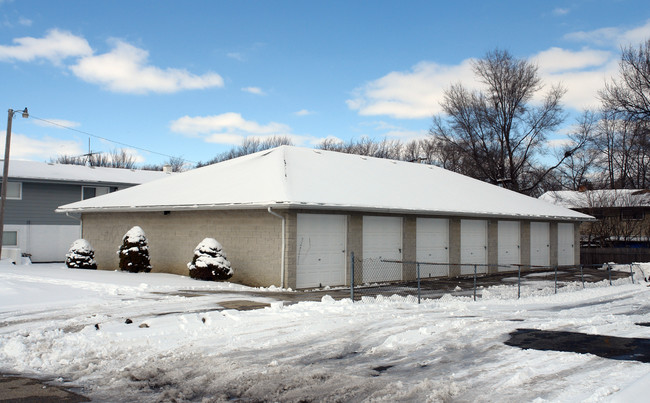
{"points": [[632, 214], [10, 238], [89, 192], [597, 213], [14, 190]]}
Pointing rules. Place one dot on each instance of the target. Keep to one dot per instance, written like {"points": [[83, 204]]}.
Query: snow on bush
{"points": [[134, 252], [210, 262], [81, 255]]}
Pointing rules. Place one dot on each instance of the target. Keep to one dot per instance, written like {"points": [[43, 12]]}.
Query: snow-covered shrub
{"points": [[134, 252], [81, 256], [210, 262]]}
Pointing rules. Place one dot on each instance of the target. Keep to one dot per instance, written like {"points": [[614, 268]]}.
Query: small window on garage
{"points": [[10, 238], [14, 190]]}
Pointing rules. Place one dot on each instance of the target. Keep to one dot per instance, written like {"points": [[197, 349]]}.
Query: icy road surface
{"points": [[69, 326]]}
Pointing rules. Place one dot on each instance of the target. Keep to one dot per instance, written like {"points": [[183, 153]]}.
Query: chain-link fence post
{"points": [[418, 273], [556, 279], [352, 276], [631, 273], [582, 277], [609, 273], [474, 282], [518, 282]]}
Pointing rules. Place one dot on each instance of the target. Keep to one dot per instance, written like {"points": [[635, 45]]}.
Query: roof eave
{"points": [[318, 206]]}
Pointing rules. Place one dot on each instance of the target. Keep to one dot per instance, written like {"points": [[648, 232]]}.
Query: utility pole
{"points": [[5, 171]]}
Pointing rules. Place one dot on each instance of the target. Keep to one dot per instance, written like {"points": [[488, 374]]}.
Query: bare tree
{"points": [[177, 164], [628, 96], [624, 149], [579, 170], [624, 129], [364, 146], [117, 158], [68, 160], [497, 133], [120, 159], [618, 214], [250, 145]]}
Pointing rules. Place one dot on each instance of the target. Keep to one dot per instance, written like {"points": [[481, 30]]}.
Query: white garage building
{"points": [[292, 216]]}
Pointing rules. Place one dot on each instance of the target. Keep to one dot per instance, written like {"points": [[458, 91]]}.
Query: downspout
{"points": [[81, 223], [282, 249]]}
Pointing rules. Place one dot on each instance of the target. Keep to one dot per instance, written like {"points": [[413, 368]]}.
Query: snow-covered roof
{"points": [[33, 170], [599, 198], [315, 179]]}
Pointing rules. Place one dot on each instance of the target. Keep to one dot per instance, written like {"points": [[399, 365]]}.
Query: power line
{"points": [[109, 140]]}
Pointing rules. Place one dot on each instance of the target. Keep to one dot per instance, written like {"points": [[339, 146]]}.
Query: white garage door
{"points": [[382, 240], [540, 244], [432, 245], [565, 244], [320, 246], [473, 246], [509, 237]]}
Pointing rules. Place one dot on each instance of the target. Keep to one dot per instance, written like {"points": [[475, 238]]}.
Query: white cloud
{"points": [[384, 129], [613, 36], [230, 123], [582, 87], [55, 46], [417, 93], [236, 55], [57, 123], [28, 148], [561, 11], [405, 135], [555, 60], [254, 90], [560, 143], [303, 112], [582, 73], [25, 22], [125, 69], [232, 128], [412, 94]]}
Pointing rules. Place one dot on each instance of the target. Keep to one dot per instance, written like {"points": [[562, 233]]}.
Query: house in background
{"points": [[292, 216], [36, 189], [622, 216]]}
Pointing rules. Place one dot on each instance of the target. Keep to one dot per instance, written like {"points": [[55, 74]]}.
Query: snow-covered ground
{"points": [[69, 325]]}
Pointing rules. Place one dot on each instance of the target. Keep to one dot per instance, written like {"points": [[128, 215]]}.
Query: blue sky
{"points": [[192, 79]]}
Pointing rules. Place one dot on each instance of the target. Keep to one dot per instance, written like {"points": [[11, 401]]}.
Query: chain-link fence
{"points": [[373, 277]]}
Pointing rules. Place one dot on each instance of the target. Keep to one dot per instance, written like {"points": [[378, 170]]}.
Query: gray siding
{"points": [[39, 202]]}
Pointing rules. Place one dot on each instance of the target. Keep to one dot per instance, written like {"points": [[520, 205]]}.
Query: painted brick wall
{"points": [[524, 242], [493, 246], [409, 232], [251, 240], [553, 242], [576, 243], [291, 257], [354, 244], [454, 246]]}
